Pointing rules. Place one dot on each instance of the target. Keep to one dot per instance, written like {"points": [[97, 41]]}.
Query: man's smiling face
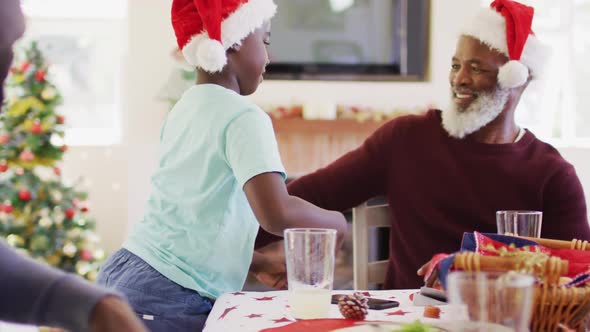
{"points": [[474, 70], [475, 94]]}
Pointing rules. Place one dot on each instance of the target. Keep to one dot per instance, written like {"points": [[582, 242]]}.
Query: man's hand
{"points": [[270, 270], [113, 314], [432, 279]]}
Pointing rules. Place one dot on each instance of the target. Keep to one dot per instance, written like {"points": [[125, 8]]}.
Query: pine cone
{"points": [[353, 306]]}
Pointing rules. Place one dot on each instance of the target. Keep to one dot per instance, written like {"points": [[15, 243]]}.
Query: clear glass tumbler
{"points": [[485, 298], [310, 255], [522, 223]]}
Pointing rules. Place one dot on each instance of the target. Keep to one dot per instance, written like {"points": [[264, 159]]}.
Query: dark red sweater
{"points": [[439, 187]]}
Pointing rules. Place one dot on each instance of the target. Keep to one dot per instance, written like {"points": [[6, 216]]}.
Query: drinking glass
{"points": [[521, 223], [481, 298], [310, 255]]}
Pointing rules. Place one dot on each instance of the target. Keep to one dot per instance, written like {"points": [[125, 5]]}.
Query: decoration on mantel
{"points": [[184, 76], [41, 216], [327, 111]]}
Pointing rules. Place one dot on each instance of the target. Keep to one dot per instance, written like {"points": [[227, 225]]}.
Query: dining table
{"points": [[268, 311]]}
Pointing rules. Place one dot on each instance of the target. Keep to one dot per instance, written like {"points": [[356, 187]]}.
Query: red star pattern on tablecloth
{"points": [[253, 316], [281, 320], [367, 294], [238, 293], [227, 311], [266, 298], [412, 296], [398, 313]]}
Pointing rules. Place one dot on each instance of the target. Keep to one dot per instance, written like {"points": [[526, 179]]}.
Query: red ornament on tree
{"points": [[70, 213], [86, 255], [3, 167], [24, 66], [24, 195], [60, 119], [4, 139], [7, 208], [40, 75], [64, 148], [83, 206], [26, 155], [56, 171], [36, 128]]}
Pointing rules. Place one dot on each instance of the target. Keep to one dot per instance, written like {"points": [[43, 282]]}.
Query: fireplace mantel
{"points": [[306, 145]]}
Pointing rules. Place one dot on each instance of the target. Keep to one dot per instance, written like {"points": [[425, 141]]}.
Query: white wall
{"points": [[443, 31], [104, 172], [149, 65], [129, 165]]}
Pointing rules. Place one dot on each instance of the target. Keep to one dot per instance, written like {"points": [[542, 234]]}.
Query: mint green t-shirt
{"points": [[198, 229]]}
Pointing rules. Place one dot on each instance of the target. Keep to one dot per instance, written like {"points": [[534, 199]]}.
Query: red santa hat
{"points": [[506, 27], [205, 29]]}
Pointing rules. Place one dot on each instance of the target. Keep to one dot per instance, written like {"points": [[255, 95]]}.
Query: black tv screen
{"points": [[349, 39]]}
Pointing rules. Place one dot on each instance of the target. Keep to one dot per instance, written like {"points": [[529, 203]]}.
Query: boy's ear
{"points": [[235, 48]]}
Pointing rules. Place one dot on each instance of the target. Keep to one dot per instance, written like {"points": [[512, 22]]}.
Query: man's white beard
{"points": [[479, 113]]}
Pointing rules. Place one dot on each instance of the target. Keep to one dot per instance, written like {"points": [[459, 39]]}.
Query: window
{"points": [[85, 41], [556, 108]]}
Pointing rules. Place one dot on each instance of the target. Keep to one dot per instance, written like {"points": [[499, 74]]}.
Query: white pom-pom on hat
{"points": [[512, 74], [507, 28], [211, 56]]}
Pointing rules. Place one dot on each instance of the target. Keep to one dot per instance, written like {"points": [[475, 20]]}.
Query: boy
{"points": [[220, 176]]}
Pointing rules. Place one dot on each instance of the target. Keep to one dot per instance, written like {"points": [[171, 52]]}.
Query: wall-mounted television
{"points": [[349, 40]]}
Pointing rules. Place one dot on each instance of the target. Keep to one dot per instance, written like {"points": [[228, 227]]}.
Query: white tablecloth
{"points": [[253, 311]]}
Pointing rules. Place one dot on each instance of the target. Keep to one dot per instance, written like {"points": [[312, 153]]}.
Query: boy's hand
{"points": [[270, 270]]}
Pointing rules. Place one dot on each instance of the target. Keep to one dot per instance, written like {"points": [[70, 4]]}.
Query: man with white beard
{"points": [[445, 173]]}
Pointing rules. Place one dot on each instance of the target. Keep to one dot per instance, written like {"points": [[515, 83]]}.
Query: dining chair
{"points": [[366, 218]]}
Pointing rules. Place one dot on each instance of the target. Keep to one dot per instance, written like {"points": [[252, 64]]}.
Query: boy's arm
{"points": [[276, 210]]}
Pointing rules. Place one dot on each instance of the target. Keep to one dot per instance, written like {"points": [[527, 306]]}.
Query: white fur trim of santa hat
{"points": [[489, 27], [209, 54]]}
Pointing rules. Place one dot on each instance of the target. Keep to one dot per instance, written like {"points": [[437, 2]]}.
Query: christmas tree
{"points": [[39, 215]]}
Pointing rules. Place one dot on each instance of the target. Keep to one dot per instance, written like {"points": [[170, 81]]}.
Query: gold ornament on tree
{"points": [[45, 222], [15, 240], [48, 93], [69, 249]]}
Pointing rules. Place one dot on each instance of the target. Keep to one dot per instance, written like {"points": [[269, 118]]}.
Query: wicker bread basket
{"points": [[554, 307]]}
